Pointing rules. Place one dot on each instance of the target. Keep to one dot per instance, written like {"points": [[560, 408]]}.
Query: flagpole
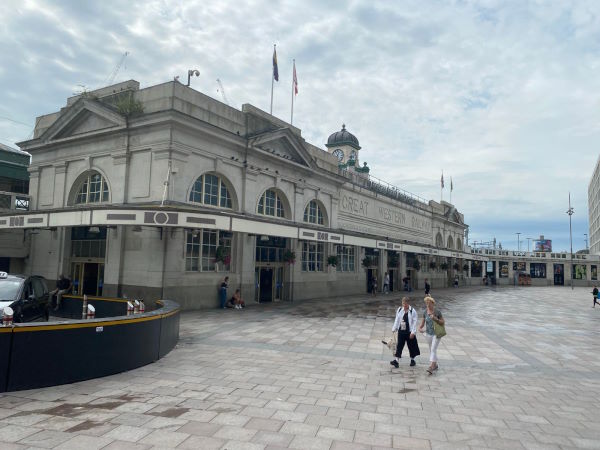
{"points": [[292, 116], [450, 190], [442, 188], [272, 81]]}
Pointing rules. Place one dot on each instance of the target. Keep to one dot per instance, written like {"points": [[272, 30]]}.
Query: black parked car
{"points": [[27, 296]]}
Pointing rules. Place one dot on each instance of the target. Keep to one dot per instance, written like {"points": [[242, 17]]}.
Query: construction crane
{"points": [[221, 89], [114, 72]]}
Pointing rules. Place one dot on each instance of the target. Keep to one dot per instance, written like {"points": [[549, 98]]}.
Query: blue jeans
{"points": [[223, 297]]}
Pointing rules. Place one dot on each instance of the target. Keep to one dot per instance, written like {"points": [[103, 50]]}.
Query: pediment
{"points": [[84, 117], [283, 144]]}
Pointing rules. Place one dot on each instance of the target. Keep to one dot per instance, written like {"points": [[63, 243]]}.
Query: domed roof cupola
{"points": [[343, 137]]}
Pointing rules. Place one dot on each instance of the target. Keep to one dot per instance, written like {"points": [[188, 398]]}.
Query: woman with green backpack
{"points": [[434, 330]]}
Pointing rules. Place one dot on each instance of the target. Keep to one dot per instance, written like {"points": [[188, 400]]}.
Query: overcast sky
{"points": [[503, 96]]}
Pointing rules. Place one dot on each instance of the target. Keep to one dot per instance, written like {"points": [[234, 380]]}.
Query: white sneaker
{"points": [[238, 307]]}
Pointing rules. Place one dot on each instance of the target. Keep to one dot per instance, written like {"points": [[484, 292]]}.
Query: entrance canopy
{"points": [[173, 217]]}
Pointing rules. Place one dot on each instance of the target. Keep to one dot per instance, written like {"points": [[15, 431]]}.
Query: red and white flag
{"points": [[295, 81]]}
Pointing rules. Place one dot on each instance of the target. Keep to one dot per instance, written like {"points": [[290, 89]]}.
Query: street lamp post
{"points": [[518, 241], [570, 212], [586, 241], [191, 73], [528, 240]]}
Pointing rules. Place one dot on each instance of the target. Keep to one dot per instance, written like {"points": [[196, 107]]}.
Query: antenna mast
{"points": [[222, 90]]}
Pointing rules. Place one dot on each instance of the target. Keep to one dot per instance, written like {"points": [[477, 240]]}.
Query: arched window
{"points": [[209, 189], [458, 244], [93, 189], [313, 213], [439, 241], [450, 242], [271, 204]]}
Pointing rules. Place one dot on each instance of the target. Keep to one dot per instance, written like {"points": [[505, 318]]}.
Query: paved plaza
{"points": [[519, 368]]}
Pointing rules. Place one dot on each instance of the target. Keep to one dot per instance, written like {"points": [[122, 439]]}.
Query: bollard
{"points": [[129, 308], [85, 304], [142, 307], [7, 316], [91, 312], [136, 307]]}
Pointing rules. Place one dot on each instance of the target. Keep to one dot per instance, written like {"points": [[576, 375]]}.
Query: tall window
{"points": [[537, 270], [209, 189], [205, 248], [313, 213], [93, 189], [450, 242], [345, 255], [271, 204], [439, 241], [458, 244], [312, 256]]}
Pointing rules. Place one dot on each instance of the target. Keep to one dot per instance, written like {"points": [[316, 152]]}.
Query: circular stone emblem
{"points": [[160, 218]]}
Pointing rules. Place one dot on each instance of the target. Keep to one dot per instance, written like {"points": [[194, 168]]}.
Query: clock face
{"points": [[339, 154]]}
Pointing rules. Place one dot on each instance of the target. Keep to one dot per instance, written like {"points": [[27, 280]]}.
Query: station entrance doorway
{"points": [[269, 269], [88, 251]]}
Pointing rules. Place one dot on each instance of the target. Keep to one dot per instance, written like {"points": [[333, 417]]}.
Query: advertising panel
{"points": [[503, 269], [543, 245]]}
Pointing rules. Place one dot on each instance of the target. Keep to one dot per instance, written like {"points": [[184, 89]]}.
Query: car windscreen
{"points": [[9, 289]]}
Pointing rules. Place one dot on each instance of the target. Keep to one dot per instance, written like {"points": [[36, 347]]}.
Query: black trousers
{"points": [[413, 346]]}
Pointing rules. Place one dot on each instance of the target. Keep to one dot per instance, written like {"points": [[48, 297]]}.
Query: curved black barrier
{"points": [[48, 354]]}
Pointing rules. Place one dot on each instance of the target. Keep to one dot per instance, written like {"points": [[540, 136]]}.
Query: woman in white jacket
{"points": [[406, 326]]}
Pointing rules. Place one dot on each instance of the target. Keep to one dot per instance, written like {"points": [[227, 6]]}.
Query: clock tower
{"points": [[344, 146]]}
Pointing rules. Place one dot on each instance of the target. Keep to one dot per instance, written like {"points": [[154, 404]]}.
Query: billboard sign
{"points": [[543, 245]]}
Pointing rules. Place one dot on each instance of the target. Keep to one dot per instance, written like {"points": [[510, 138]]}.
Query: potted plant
{"points": [[332, 260], [289, 257], [367, 261]]}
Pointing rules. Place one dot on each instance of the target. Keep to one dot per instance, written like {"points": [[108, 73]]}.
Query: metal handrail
{"points": [[383, 187]]}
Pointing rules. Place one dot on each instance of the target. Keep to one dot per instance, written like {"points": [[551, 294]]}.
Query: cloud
{"points": [[502, 96]]}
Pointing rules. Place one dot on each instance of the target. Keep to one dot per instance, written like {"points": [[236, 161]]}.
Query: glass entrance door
{"points": [[88, 278]]}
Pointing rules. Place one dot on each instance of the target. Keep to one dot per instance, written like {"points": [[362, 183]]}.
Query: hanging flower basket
{"points": [[289, 257], [393, 261], [223, 255], [432, 265], [456, 266], [466, 267], [332, 260], [444, 266], [416, 264], [367, 261]]}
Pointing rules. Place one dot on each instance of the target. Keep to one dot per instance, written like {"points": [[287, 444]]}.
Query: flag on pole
{"points": [[442, 180], [275, 69], [451, 186], [295, 80]]}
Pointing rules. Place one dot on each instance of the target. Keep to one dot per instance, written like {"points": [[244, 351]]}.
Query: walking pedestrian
{"points": [[431, 315], [427, 287], [374, 286], [406, 326], [386, 283], [223, 292], [595, 294]]}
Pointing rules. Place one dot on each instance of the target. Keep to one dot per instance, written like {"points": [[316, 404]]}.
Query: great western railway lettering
{"points": [[355, 205]]}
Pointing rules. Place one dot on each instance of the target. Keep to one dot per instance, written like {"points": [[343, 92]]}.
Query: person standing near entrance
{"points": [[223, 292], [374, 286], [595, 294], [386, 283], [406, 326], [427, 287]]}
